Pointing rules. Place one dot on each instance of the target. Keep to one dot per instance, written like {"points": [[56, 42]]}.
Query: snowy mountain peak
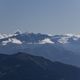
{"points": [[3, 36], [46, 40], [18, 32], [39, 38], [11, 40]]}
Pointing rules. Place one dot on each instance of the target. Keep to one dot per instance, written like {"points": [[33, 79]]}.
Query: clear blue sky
{"points": [[45, 16]]}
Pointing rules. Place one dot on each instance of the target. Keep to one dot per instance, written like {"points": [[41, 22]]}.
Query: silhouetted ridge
{"points": [[22, 66]]}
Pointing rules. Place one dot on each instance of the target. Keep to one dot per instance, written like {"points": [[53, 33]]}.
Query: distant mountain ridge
{"points": [[36, 38], [63, 48]]}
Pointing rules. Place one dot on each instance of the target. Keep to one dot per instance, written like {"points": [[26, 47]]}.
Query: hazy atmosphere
{"points": [[45, 16], [39, 39]]}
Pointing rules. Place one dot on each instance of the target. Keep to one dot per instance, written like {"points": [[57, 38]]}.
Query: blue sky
{"points": [[45, 16]]}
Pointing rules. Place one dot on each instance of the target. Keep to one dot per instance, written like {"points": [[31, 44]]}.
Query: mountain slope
{"points": [[23, 66], [62, 48]]}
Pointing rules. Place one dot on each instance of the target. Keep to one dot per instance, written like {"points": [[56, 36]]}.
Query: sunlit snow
{"points": [[46, 41], [12, 40]]}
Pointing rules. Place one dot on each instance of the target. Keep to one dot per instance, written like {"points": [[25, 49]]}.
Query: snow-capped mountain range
{"points": [[39, 38], [64, 48]]}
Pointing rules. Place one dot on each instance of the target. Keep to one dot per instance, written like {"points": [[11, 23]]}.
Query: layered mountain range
{"points": [[62, 48]]}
